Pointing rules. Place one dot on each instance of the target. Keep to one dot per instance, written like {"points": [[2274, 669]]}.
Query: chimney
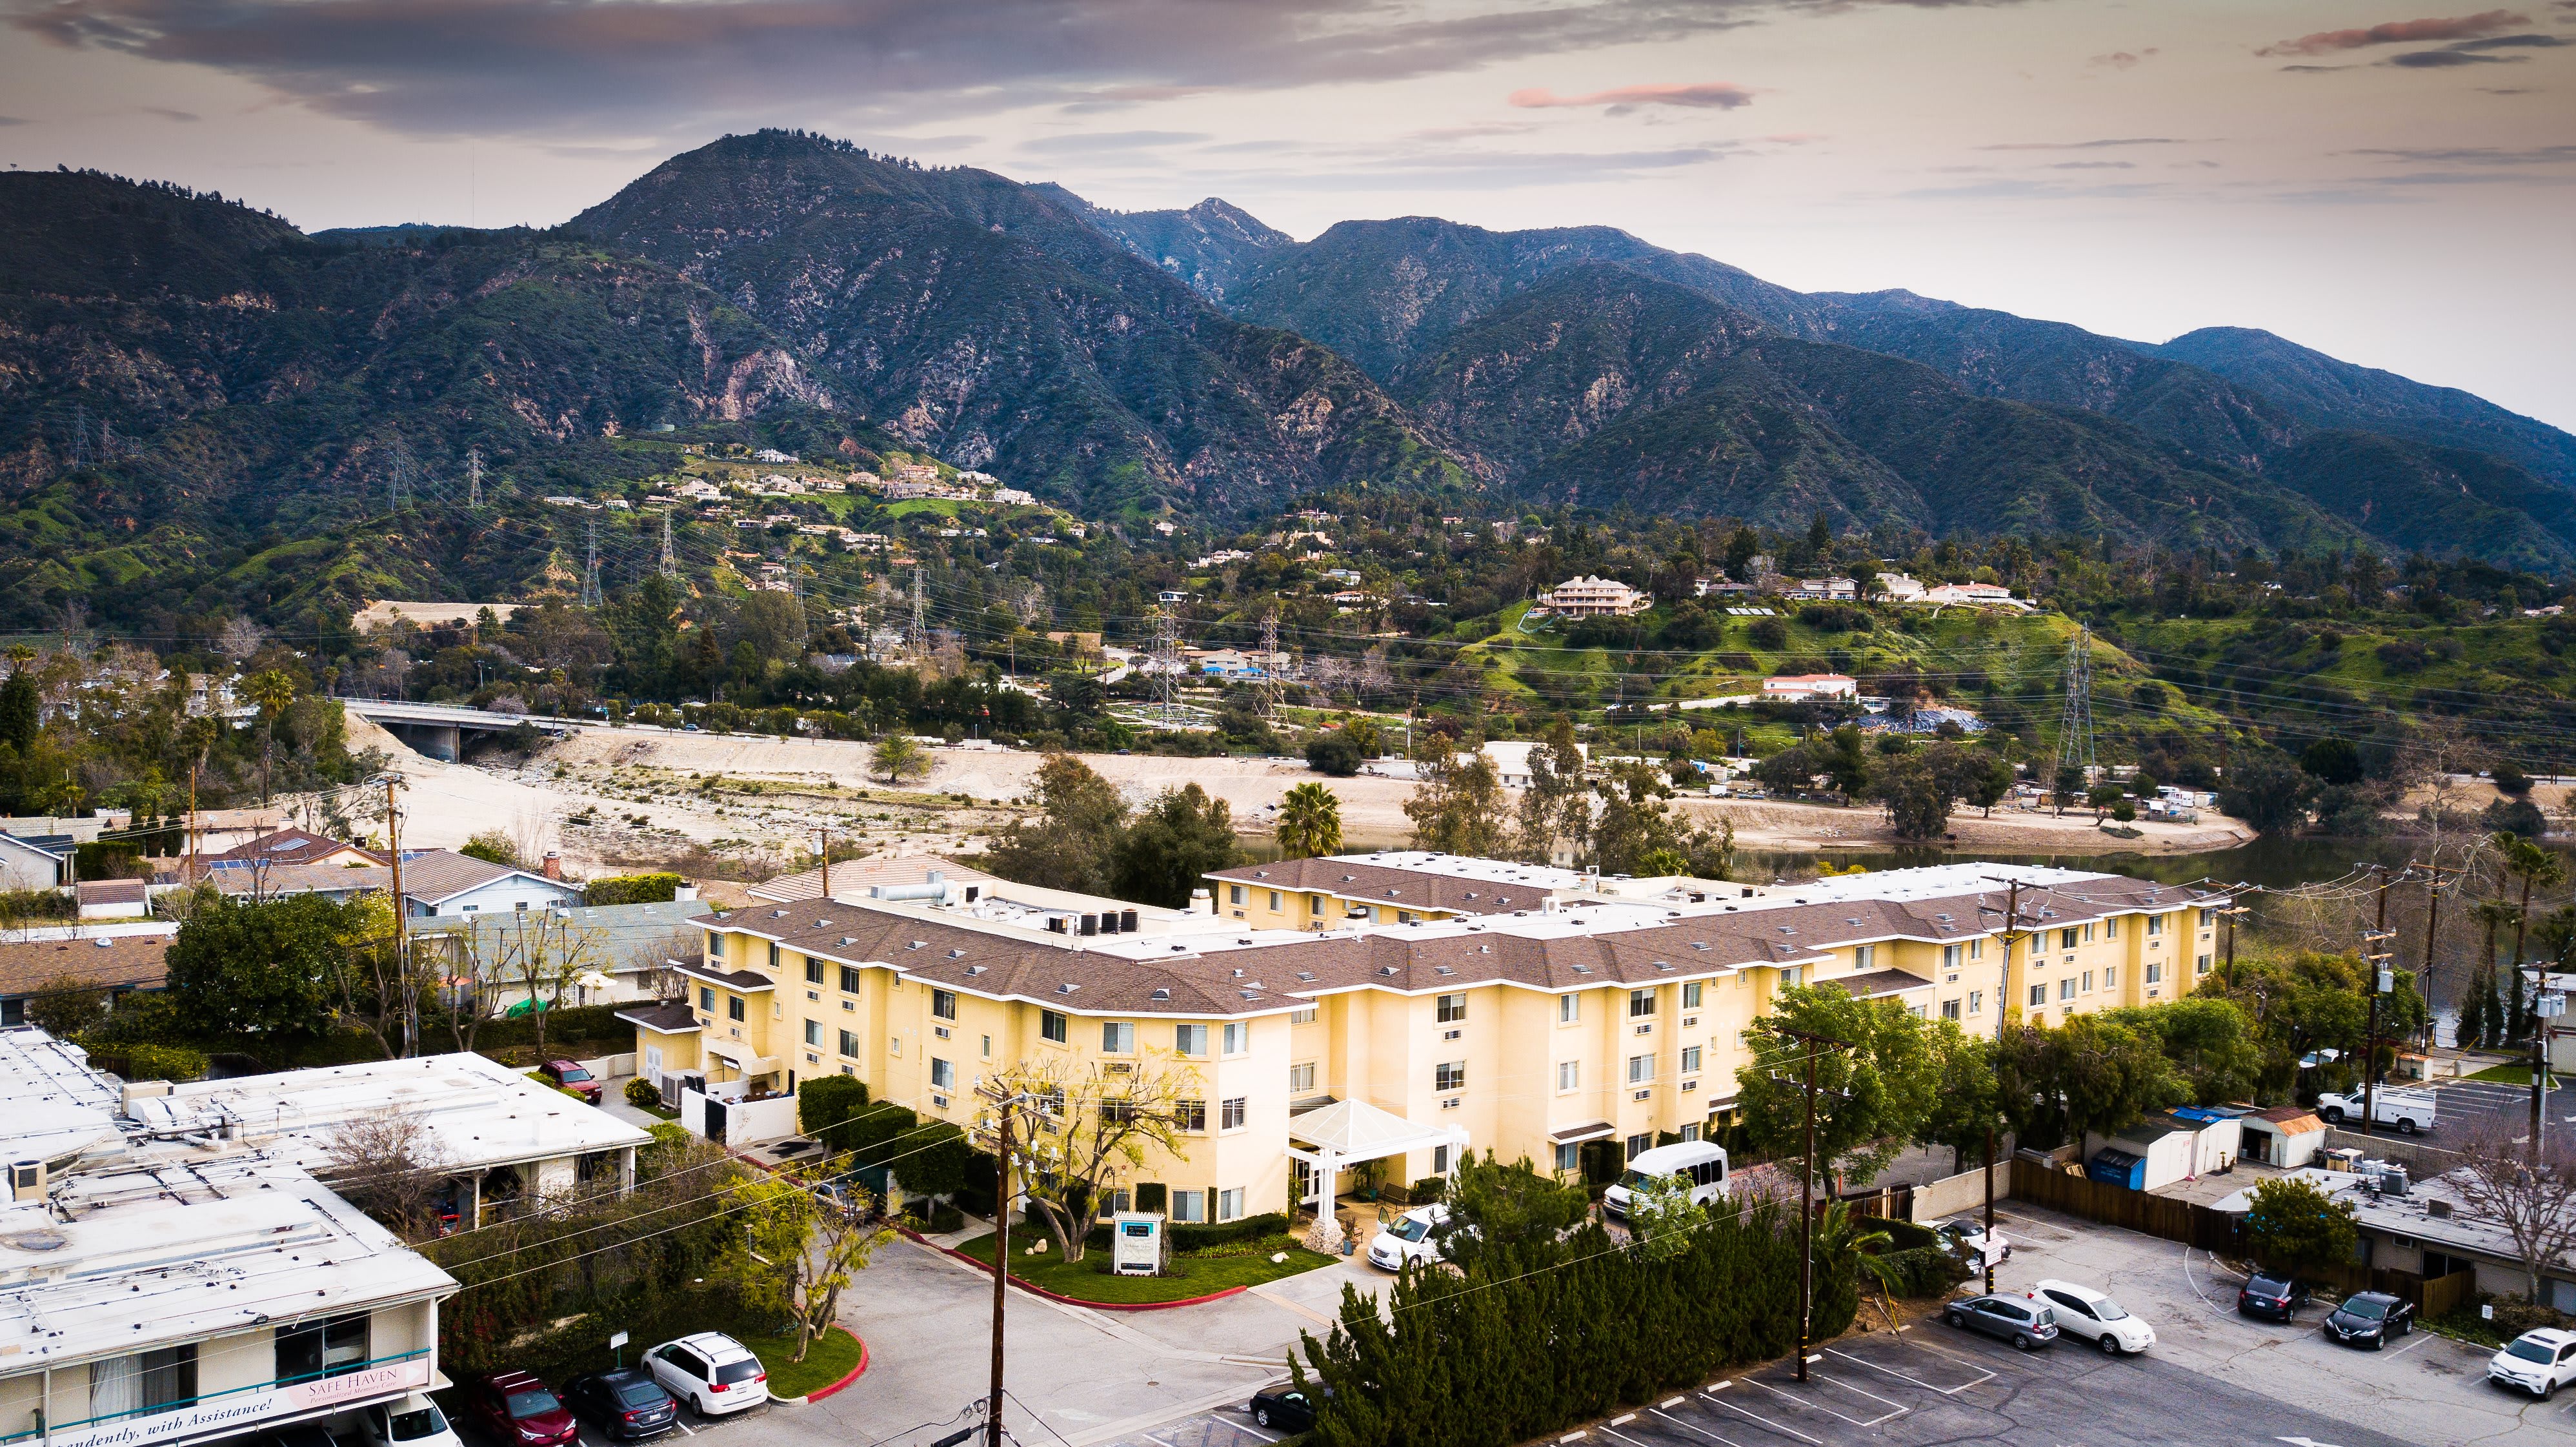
{"points": [[553, 865]]}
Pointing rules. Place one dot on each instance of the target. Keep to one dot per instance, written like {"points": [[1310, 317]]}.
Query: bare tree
{"points": [[541, 953], [1082, 1131], [390, 1166], [2523, 1188], [240, 639]]}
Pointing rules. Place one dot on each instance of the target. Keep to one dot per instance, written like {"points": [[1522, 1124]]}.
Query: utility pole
{"points": [[2230, 913], [590, 570], [192, 823], [2374, 980], [1806, 1195], [2546, 1005], [1004, 1104], [2003, 995], [2432, 919], [670, 566], [402, 931], [825, 840], [474, 477]]}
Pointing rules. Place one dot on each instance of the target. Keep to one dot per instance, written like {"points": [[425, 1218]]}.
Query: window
{"points": [[1315, 904], [2155, 971], [1690, 1060], [1301, 1078], [1234, 894], [1404, 916], [1949, 957], [2111, 929], [2039, 995], [1976, 949], [2208, 917], [715, 945], [2066, 988], [849, 979], [733, 1008], [2088, 982], [1949, 1009], [2155, 924], [988, 1047], [943, 1076], [2110, 976], [1641, 1068], [1189, 1205], [153, 1381], [706, 999], [1864, 956], [1229, 1204], [1274, 901], [773, 956], [1690, 994], [850, 1043], [1232, 1112], [1053, 1026], [943, 1004], [1190, 1115], [1452, 1008], [1569, 1156], [813, 1032], [322, 1348], [2066, 939], [1640, 1143], [2088, 934], [1189, 1039], [1439, 1160], [1238, 1037], [813, 970], [1569, 1008], [1640, 1002], [1307, 1016], [1569, 1075], [1976, 1002], [2201, 965], [1449, 1075], [1117, 1037]]}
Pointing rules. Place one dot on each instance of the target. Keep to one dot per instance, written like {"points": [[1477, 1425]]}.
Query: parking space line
{"points": [[1816, 1405], [2410, 1346], [1693, 1427], [1780, 1427], [1622, 1436], [1983, 1375], [1240, 1427]]}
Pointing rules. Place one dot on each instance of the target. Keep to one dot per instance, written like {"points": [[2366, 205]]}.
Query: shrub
{"points": [[1769, 634], [824, 1101], [1334, 755], [643, 1094], [1428, 1190], [2511, 781], [632, 889]]}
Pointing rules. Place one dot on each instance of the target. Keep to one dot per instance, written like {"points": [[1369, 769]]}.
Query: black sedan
{"points": [[626, 1404], [1285, 1407], [2017, 1319], [2278, 1297], [2369, 1318]]}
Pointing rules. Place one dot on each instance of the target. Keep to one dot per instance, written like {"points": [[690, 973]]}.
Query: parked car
{"points": [[520, 1411], [415, 1421], [2370, 1318], [627, 1403], [2408, 1110], [2278, 1297], [1285, 1408], [569, 1075], [1965, 1237], [2082, 1311], [2538, 1362], [1701, 1163], [2027, 1324], [711, 1372], [1413, 1236]]}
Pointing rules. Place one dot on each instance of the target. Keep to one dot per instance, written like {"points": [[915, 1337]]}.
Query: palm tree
{"points": [[2477, 1025], [272, 690], [1310, 823]]}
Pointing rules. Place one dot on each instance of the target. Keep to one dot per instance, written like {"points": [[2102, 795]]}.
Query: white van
{"points": [[1703, 1163]]}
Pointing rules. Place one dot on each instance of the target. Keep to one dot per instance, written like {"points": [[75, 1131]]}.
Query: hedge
{"points": [[633, 889], [1186, 1236], [1543, 1334]]}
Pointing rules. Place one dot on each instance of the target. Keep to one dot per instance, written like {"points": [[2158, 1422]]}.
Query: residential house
{"points": [[1589, 597], [39, 861], [434, 882], [1803, 687], [1837, 590], [118, 958], [290, 845]]}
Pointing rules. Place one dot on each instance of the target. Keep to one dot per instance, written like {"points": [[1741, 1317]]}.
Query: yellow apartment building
{"points": [[1527, 1031]]}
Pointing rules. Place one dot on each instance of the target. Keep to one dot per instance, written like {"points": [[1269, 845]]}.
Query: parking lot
{"points": [[2462, 1105]]}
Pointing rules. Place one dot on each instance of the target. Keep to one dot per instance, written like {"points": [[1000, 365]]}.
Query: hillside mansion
{"points": [[1454, 1002]]}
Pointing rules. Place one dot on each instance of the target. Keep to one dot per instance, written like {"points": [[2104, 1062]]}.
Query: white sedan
{"points": [[2084, 1312]]}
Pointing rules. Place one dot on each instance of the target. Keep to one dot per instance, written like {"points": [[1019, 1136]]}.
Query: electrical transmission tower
{"points": [[402, 486], [474, 477], [2075, 722], [918, 640], [1167, 668], [1273, 685], [670, 565], [590, 571], [80, 436]]}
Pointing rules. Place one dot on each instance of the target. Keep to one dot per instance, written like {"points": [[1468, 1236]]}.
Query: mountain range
{"points": [[254, 389]]}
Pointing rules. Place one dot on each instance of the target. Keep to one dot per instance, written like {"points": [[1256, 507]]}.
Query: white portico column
{"points": [[1326, 1234]]}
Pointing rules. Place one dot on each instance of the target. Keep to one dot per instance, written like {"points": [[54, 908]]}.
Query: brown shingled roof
{"points": [[1397, 888], [119, 962]]}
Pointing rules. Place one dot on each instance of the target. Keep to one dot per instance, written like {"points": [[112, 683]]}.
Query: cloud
{"points": [[15, 121], [2121, 59], [1706, 95], [2443, 59], [1111, 141], [2510, 42], [2399, 32], [2086, 145], [2474, 155], [167, 114], [2092, 166]]}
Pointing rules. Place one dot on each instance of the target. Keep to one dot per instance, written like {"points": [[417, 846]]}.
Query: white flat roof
{"points": [[58, 1108]]}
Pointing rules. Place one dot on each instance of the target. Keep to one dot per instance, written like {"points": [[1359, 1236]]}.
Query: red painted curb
{"points": [[856, 1372], [1035, 1290]]}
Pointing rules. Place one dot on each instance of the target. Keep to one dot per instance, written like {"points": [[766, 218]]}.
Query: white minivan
{"points": [[1702, 1163]]}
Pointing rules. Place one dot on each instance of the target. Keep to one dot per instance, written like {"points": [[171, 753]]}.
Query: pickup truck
{"points": [[2408, 1110]]}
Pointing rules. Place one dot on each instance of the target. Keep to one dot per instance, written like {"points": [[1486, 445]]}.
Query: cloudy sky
{"points": [[2385, 182]]}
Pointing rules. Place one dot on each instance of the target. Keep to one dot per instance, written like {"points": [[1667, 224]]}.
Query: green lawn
{"points": [[944, 506], [827, 1360], [1193, 1275], [2512, 1075]]}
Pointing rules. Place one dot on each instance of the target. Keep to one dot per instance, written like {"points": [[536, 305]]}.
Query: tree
{"points": [[898, 758], [1310, 822], [794, 1256], [272, 689], [2102, 797], [2295, 1228], [492, 846], [1662, 1216], [1964, 1106], [2066, 788], [1178, 839], [259, 970], [2523, 1188], [1872, 1093], [21, 710], [1333, 754], [1083, 1130], [1501, 1208], [1459, 809], [543, 960], [2266, 790], [1553, 808], [1919, 786], [1633, 831], [388, 1164], [1069, 845], [2333, 762], [1988, 781], [2209, 1038], [2532, 865]]}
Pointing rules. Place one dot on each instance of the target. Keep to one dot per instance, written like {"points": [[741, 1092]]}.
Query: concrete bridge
{"points": [[439, 729]]}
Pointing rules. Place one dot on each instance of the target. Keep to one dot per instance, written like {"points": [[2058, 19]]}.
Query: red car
{"points": [[520, 1411], [570, 1076]]}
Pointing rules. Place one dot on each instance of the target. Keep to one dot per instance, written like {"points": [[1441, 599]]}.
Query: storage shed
{"points": [[2287, 1136]]}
